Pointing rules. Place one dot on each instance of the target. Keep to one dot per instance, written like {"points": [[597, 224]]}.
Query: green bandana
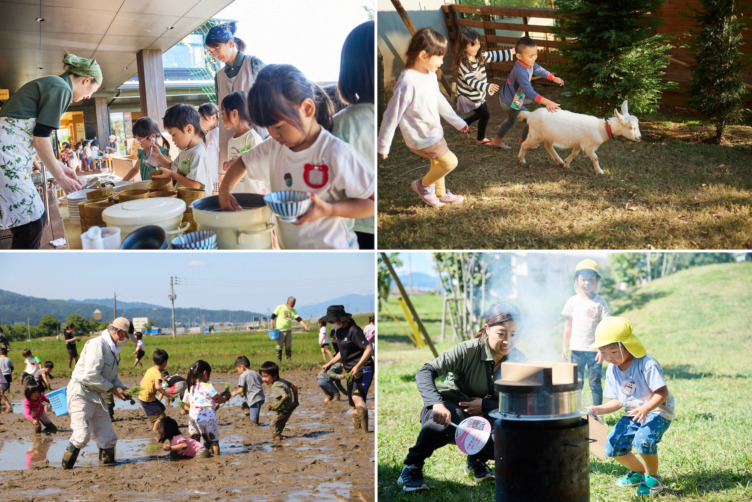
{"points": [[83, 67]]}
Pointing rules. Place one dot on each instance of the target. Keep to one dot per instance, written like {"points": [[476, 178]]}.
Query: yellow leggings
{"points": [[439, 169]]}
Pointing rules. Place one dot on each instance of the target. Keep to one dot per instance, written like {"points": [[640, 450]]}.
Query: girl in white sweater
{"points": [[417, 107]]}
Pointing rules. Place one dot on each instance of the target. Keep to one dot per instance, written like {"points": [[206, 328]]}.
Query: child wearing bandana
{"points": [[634, 381]]}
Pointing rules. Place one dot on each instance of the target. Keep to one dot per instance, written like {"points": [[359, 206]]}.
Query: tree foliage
{"points": [[717, 90], [639, 268], [384, 278], [613, 54]]}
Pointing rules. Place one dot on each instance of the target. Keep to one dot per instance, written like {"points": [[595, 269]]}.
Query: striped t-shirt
{"points": [[471, 77]]}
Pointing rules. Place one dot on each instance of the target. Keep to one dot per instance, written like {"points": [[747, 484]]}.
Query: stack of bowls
{"points": [[73, 200], [127, 195], [288, 204], [203, 239], [163, 193]]}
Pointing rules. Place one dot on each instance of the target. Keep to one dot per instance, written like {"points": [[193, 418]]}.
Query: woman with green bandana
{"points": [[27, 120]]}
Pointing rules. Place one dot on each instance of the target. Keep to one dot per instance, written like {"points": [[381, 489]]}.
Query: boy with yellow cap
{"points": [[635, 381], [583, 312]]}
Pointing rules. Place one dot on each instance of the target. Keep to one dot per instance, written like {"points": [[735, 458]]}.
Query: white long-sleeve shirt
{"points": [[417, 107]]}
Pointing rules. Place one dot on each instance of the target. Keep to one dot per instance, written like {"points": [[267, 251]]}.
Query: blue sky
{"points": [[307, 34], [217, 280]]}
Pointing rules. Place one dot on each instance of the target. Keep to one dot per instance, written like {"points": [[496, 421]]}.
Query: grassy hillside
{"points": [[696, 323]]}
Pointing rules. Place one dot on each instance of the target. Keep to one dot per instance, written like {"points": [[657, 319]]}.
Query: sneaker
{"points": [[478, 470], [650, 485], [427, 194], [631, 478], [450, 198], [411, 479]]}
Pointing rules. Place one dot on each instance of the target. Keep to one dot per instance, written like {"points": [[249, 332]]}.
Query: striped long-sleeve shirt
{"points": [[471, 77]]}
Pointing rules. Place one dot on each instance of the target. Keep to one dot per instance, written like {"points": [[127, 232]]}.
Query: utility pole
{"points": [[28, 330], [114, 305], [172, 299]]}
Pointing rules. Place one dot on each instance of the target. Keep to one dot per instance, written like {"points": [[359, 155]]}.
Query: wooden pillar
{"points": [[102, 114], [151, 85]]}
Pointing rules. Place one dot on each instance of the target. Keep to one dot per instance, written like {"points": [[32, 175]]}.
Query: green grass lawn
{"points": [[219, 350], [670, 191], [696, 323]]}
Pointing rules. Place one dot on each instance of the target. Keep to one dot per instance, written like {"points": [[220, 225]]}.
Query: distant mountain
{"points": [[353, 303], [421, 280], [107, 302]]}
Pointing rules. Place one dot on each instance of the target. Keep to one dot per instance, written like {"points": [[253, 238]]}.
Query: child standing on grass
{"points": [[190, 168], [235, 116], [417, 106], [43, 375], [634, 381], [472, 85], [517, 87], [176, 443], [6, 369], [151, 384], [329, 381], [285, 393], [201, 400], [303, 156], [139, 352], [34, 403], [32, 365], [324, 340], [583, 312], [250, 386]]}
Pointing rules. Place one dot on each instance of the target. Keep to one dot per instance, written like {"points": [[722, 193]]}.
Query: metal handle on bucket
{"points": [[589, 440]]}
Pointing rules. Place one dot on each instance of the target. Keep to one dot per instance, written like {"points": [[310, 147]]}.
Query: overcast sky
{"points": [[217, 280]]}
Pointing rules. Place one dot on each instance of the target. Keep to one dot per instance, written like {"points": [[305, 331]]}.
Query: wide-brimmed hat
{"points": [[617, 329], [122, 323], [334, 312]]}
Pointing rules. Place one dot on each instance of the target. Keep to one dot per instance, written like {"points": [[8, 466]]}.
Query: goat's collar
{"points": [[608, 129]]}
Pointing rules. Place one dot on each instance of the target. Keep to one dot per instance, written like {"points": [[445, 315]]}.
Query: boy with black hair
{"points": [[32, 365], [42, 375], [285, 393], [250, 386], [151, 384], [6, 368], [517, 87]]}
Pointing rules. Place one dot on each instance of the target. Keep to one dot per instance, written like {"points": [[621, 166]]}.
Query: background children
{"points": [[369, 331], [190, 168], [139, 352], [209, 118], [87, 155], [583, 312], [173, 385], [32, 365], [6, 369], [151, 384], [417, 105], [201, 399], [472, 86], [635, 381], [324, 340], [517, 87], [175, 442], [43, 375], [357, 122], [70, 344], [250, 386], [284, 392], [235, 116], [34, 401], [329, 382], [148, 137], [304, 156]]}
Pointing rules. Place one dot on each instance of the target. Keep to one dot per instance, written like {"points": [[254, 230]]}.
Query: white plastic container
{"points": [[163, 211]]}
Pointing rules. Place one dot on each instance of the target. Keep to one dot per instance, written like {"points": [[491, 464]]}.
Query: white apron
{"points": [[20, 202]]}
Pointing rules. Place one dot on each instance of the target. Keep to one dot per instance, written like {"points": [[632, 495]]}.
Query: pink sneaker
{"points": [[427, 194], [450, 198]]}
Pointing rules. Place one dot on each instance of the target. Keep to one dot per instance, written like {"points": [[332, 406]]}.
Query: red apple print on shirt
{"points": [[316, 176]]}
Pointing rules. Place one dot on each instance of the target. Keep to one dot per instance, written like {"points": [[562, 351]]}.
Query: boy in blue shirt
{"points": [[517, 88], [635, 381]]}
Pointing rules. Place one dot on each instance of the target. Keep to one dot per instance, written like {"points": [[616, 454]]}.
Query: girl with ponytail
{"points": [[304, 156], [200, 401]]}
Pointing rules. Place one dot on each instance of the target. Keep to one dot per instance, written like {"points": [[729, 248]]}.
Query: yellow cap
{"points": [[617, 329], [587, 265]]}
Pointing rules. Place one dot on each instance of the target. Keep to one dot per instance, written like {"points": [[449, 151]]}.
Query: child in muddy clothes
{"points": [[151, 385], [286, 394], [43, 375], [177, 444], [201, 400], [174, 386], [6, 369], [249, 386], [329, 381], [34, 403], [32, 365]]}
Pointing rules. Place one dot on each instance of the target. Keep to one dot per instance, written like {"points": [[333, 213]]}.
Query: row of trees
{"points": [[51, 326]]}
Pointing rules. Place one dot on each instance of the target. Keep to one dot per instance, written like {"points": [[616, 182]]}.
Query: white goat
{"points": [[576, 131]]}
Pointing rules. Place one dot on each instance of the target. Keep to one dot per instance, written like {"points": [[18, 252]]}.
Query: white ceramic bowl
{"points": [[288, 204]]}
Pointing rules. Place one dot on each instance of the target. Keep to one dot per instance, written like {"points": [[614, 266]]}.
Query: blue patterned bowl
{"points": [[288, 204], [203, 239]]}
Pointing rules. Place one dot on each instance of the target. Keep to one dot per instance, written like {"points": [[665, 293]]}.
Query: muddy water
{"points": [[321, 457]]}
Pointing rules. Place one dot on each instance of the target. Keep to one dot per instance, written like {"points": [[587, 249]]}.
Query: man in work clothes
{"points": [[95, 374], [282, 317]]}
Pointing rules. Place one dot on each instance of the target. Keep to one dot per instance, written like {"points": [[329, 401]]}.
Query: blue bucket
{"points": [[59, 401], [273, 334]]}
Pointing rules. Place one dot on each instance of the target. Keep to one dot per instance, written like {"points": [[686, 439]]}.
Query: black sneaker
{"points": [[411, 479], [478, 470]]}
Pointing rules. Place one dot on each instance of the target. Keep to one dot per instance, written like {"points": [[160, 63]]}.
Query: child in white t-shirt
{"points": [[209, 124], [324, 340], [235, 116], [303, 156]]}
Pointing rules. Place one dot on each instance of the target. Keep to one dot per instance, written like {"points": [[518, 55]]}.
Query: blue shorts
{"points": [[644, 437]]}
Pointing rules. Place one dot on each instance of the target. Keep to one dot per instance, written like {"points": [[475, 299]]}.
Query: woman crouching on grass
{"points": [[471, 368]]}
